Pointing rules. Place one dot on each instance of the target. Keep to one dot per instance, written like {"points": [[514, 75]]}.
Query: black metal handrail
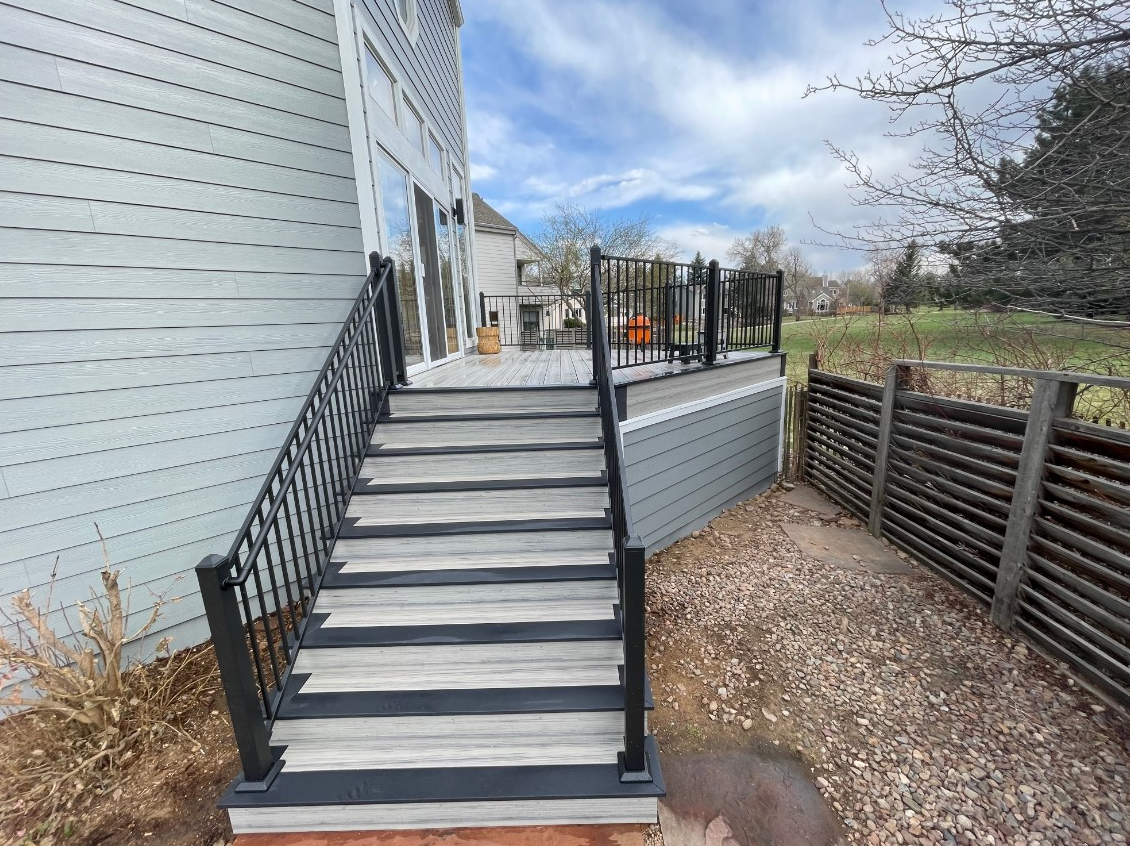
{"points": [[629, 549], [662, 311], [258, 597]]}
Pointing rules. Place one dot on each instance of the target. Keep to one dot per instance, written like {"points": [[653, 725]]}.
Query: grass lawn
{"points": [[861, 346], [951, 335]]}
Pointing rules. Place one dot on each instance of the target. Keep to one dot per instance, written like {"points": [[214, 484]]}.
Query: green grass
{"points": [[861, 345]]}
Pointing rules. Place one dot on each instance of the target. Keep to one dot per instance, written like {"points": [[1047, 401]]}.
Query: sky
{"points": [[691, 113]]}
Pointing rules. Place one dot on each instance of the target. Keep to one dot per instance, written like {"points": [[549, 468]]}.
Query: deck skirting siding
{"points": [[688, 463]]}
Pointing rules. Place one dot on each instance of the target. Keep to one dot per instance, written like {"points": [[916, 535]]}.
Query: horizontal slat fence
{"points": [[1076, 602], [950, 475], [842, 435], [1050, 554]]}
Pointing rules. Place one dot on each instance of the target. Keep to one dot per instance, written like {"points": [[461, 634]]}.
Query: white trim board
{"points": [[645, 420]]}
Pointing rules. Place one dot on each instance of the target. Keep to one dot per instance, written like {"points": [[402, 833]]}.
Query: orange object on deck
{"points": [[639, 330]]}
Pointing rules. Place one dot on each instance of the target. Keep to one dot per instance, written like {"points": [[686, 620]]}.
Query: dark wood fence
{"points": [[1027, 511]]}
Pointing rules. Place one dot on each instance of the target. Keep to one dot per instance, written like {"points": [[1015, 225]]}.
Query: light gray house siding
{"points": [[688, 463], [179, 243], [496, 263]]}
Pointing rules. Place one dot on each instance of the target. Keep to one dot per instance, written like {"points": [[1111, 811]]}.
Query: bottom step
{"points": [[374, 800]]}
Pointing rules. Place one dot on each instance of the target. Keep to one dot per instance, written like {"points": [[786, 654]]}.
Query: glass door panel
{"points": [[433, 287], [447, 280], [401, 248]]}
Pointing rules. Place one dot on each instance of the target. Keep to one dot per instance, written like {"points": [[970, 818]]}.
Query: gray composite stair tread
{"points": [[468, 467], [477, 506], [392, 435], [468, 604], [461, 740], [461, 667], [465, 402], [491, 813], [474, 550]]}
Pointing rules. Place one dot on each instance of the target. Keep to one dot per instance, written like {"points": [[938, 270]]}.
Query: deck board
{"points": [[514, 368]]}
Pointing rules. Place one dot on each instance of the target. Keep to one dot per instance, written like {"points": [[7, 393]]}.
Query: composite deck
{"points": [[514, 368]]}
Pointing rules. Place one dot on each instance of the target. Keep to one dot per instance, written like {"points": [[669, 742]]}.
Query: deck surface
{"points": [[513, 368]]}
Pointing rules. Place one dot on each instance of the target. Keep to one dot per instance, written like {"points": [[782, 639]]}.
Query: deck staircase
{"points": [[462, 662]]}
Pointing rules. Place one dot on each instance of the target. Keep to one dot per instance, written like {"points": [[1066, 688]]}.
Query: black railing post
{"points": [[483, 309], [633, 761], [229, 640], [778, 310], [595, 291], [396, 328], [710, 350]]}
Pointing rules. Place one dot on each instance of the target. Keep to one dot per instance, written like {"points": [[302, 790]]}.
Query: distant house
{"points": [[507, 261]]}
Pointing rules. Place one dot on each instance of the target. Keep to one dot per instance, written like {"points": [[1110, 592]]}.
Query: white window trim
{"points": [[397, 93]]}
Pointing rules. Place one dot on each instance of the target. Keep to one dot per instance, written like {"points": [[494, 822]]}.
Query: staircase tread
{"points": [[445, 784], [335, 579], [298, 705], [421, 416], [351, 530]]}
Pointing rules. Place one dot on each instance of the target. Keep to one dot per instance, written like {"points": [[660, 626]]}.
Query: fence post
{"points": [[482, 309], [229, 640], [778, 310], [895, 379], [1050, 399], [710, 353]]}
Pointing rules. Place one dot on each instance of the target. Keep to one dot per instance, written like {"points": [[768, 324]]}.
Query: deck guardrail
{"points": [[534, 321], [666, 311], [257, 597], [629, 548]]}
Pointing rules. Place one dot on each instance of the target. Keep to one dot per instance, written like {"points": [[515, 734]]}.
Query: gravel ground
{"points": [[921, 722]]}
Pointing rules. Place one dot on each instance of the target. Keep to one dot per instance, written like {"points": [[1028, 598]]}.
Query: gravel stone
{"points": [[921, 722]]}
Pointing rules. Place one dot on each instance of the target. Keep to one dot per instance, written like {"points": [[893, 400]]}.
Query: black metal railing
{"points": [[533, 321], [666, 311], [629, 549], [258, 597]]}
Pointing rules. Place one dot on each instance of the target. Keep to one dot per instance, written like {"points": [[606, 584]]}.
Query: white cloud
{"points": [[482, 172], [668, 116]]}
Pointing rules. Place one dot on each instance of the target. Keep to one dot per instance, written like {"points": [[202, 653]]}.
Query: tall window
{"points": [[435, 154], [463, 251], [414, 127], [401, 247], [379, 84]]}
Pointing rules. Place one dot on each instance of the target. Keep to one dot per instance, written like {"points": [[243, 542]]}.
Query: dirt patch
{"points": [[918, 720], [163, 793]]}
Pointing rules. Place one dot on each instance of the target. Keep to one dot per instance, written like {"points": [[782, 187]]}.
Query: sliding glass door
{"points": [[400, 245]]}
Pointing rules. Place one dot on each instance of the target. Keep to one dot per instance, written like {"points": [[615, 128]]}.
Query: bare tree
{"points": [[762, 250], [1023, 110], [798, 273], [569, 232]]}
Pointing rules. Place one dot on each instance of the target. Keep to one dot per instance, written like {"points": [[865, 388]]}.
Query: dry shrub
{"points": [[79, 715], [864, 349]]}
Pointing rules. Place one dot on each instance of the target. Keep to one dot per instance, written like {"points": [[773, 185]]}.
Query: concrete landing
{"points": [[743, 798], [807, 498], [849, 549]]}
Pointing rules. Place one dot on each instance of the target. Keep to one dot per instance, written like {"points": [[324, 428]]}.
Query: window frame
{"points": [[411, 26], [394, 84], [418, 144]]}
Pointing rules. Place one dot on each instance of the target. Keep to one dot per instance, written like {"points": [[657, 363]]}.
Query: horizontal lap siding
{"points": [[683, 471], [496, 268], [179, 243]]}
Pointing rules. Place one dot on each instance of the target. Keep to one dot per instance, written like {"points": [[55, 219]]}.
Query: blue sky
{"points": [[691, 113]]}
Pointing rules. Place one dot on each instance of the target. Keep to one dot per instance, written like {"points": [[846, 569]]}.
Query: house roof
{"points": [[487, 216]]}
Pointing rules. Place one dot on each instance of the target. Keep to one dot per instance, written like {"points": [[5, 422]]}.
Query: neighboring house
{"points": [[507, 260], [188, 189]]}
